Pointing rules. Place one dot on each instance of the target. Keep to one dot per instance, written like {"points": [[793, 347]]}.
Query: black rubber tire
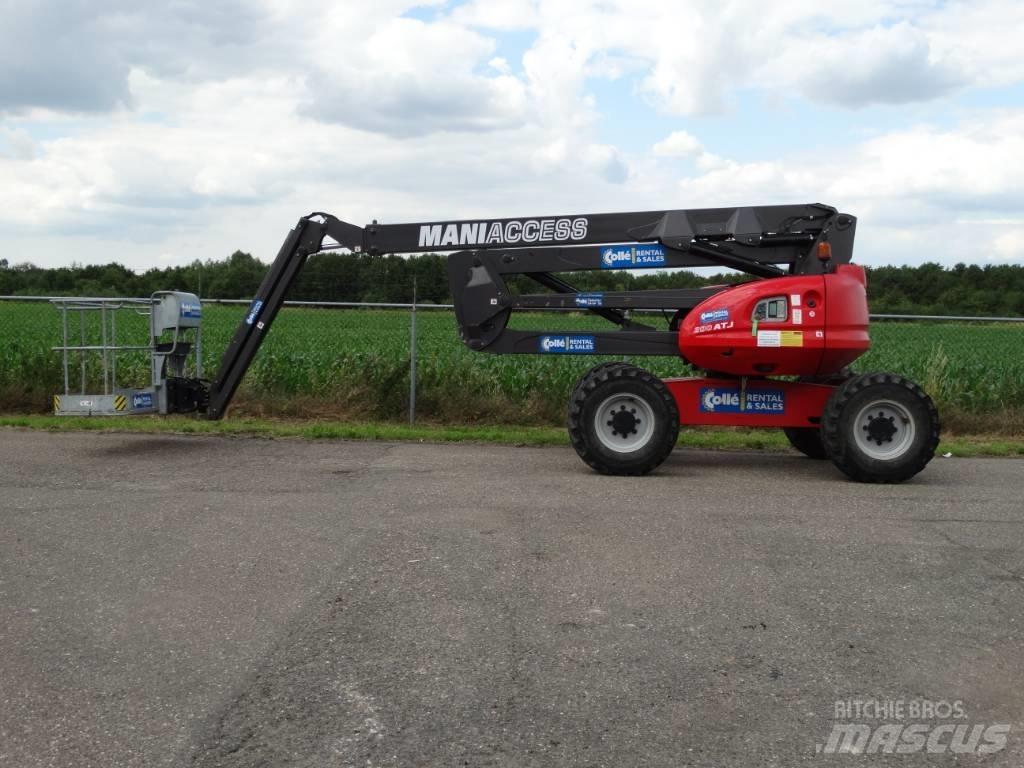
{"points": [[837, 428], [597, 369], [603, 382], [807, 440]]}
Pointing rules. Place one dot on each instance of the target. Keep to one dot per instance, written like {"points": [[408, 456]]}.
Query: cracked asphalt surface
{"points": [[203, 601]]}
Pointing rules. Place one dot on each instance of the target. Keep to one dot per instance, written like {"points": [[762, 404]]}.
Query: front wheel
{"points": [[622, 420], [880, 428]]}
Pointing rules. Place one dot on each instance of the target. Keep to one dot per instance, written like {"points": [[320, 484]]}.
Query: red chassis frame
{"points": [[748, 402]]}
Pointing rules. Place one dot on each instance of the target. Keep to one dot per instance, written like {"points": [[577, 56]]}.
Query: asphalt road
{"points": [[175, 601]]}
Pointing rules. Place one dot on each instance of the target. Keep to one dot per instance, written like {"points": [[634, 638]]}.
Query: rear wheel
{"points": [[622, 420], [807, 440], [880, 428]]}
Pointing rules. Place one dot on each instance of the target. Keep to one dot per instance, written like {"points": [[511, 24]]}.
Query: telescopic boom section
{"points": [[306, 238], [764, 241]]}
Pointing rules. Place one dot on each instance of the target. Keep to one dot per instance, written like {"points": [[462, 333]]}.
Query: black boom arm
{"points": [[764, 241]]}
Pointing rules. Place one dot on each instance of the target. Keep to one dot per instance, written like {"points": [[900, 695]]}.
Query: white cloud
{"points": [[893, 65], [678, 144], [696, 55], [77, 56], [20, 144], [410, 78], [1009, 246], [691, 55], [497, 14], [979, 166], [979, 39], [215, 125], [685, 145], [500, 64], [607, 161], [921, 194], [240, 161]]}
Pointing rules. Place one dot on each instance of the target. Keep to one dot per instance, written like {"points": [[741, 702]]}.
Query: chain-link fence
{"points": [[353, 361]]}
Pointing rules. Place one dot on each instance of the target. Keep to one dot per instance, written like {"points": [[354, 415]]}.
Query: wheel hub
{"points": [[881, 428], [624, 422], [884, 429]]}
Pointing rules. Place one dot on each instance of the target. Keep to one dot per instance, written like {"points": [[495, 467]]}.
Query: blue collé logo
{"points": [[632, 256], [727, 400], [567, 345], [714, 316], [590, 300], [254, 312], [188, 309], [142, 400]]}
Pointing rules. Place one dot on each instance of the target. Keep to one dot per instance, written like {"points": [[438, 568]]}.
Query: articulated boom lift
{"points": [[806, 319]]}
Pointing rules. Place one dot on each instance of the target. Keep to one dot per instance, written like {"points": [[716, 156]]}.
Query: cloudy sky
{"points": [[159, 132]]}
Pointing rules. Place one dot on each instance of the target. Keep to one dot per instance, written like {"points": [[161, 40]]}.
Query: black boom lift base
{"points": [[764, 241]]}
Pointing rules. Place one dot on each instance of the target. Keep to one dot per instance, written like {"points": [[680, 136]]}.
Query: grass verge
{"points": [[713, 439]]}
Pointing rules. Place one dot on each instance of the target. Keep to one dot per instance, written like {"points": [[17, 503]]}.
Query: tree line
{"points": [[924, 289]]}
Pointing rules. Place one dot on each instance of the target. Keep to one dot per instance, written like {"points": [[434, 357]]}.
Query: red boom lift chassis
{"points": [[775, 351]]}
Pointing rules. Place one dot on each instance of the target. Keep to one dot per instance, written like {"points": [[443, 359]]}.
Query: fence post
{"points": [[412, 357]]}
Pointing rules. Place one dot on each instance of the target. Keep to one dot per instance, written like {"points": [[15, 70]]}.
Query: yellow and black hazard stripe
{"points": [[120, 403], [56, 403]]}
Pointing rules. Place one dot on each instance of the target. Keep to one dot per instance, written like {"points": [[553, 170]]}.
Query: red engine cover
{"points": [[806, 326]]}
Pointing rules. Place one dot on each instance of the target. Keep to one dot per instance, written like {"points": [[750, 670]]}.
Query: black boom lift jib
{"points": [[766, 241], [806, 317]]}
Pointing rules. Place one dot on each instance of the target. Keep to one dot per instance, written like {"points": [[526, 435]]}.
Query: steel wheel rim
{"points": [[884, 430], [614, 429]]}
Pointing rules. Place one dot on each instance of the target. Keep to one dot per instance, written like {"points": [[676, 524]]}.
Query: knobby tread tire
{"points": [[842, 448], [603, 381], [597, 369], [807, 440]]}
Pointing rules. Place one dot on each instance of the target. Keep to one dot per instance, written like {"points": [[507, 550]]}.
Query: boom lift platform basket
{"points": [[174, 350]]}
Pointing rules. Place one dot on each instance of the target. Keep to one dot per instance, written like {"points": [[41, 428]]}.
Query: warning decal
{"points": [[780, 338], [120, 402]]}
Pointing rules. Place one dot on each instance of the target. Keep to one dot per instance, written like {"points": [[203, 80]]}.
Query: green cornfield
{"points": [[354, 363]]}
